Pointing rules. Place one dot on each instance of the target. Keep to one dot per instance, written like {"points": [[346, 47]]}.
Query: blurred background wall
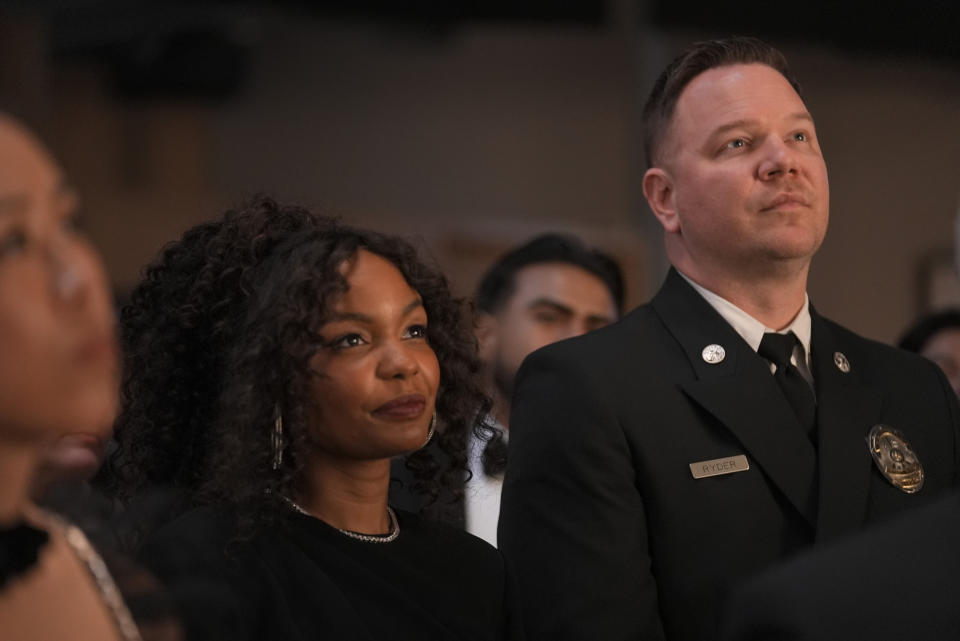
{"points": [[471, 127]]}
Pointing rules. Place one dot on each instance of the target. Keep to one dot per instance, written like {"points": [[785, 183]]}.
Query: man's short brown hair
{"points": [[700, 57]]}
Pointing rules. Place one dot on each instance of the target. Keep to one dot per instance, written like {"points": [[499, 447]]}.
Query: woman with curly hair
{"points": [[275, 362]]}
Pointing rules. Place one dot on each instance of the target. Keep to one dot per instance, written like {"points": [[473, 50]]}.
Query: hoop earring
{"points": [[431, 429], [277, 442]]}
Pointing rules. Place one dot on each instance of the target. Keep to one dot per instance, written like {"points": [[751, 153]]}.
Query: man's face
{"points": [[745, 184], [550, 302], [943, 348]]}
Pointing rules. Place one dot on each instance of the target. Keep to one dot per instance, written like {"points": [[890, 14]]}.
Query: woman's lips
{"points": [[76, 456], [82, 439], [99, 347], [402, 408]]}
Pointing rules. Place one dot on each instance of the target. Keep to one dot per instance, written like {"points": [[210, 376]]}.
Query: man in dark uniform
{"points": [[725, 425]]}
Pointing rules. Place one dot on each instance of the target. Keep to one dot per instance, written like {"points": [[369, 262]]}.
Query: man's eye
{"points": [[547, 317], [800, 137], [12, 242], [417, 331], [736, 143]]}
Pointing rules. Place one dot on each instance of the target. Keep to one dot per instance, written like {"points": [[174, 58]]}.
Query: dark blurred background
{"points": [[473, 125]]}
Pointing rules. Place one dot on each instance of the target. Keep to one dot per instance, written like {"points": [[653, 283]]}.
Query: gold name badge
{"points": [[717, 466]]}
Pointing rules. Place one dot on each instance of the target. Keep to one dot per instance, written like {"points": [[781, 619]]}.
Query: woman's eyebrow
{"points": [[354, 316], [365, 318], [412, 305]]}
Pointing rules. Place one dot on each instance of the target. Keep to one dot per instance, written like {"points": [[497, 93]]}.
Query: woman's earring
{"points": [[277, 441], [431, 430]]}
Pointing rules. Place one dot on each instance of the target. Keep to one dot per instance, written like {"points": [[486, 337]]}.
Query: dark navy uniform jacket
{"points": [[609, 533]]}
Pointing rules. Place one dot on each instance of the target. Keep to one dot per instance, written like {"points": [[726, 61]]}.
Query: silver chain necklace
{"points": [[368, 538]]}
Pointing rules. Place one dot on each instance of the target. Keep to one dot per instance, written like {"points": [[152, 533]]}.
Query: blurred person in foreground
{"points": [[895, 581], [276, 361], [550, 288], [58, 381], [937, 336], [658, 462]]}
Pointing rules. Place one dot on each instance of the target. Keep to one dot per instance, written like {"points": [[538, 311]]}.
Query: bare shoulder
{"points": [[58, 598]]}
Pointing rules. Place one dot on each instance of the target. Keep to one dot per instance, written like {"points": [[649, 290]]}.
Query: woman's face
{"points": [[58, 353], [377, 374]]}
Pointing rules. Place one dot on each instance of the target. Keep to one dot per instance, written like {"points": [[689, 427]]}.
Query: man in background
{"points": [[551, 288], [937, 336]]}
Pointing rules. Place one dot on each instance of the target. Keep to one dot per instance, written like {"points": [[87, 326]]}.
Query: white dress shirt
{"points": [[482, 493], [753, 330]]}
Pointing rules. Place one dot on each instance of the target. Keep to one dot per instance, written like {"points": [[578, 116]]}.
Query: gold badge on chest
{"points": [[895, 459]]}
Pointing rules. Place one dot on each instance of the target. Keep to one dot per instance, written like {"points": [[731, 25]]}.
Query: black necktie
{"points": [[777, 348]]}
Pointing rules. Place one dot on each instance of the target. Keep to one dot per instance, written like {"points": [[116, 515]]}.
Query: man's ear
{"points": [[485, 329], [658, 190]]}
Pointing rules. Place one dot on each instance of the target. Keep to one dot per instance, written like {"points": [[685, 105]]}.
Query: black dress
{"points": [[303, 579]]}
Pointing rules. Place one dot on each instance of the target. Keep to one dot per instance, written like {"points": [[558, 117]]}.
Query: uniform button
{"points": [[713, 353]]}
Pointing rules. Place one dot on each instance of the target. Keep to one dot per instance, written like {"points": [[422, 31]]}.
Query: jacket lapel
{"points": [[740, 392], [846, 410]]}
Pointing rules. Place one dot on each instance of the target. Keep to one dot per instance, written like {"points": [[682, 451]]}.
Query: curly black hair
{"points": [[217, 340]]}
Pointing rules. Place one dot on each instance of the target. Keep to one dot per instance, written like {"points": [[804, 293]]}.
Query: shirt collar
{"points": [[749, 327]]}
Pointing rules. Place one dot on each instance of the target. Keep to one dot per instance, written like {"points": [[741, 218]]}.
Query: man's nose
{"points": [[576, 327], [777, 160]]}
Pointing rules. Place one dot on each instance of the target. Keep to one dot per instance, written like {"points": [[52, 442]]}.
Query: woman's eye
{"points": [[74, 223], [12, 242], [346, 341], [417, 331]]}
